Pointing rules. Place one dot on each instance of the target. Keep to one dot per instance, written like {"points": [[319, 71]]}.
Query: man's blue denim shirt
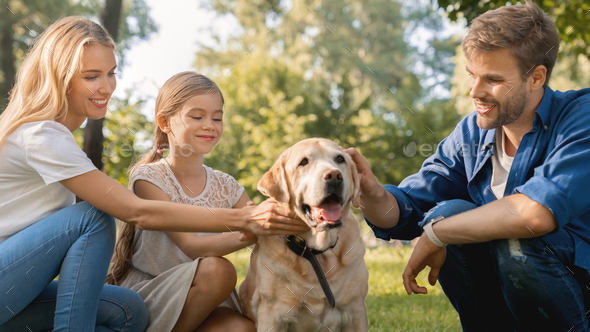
{"points": [[551, 167]]}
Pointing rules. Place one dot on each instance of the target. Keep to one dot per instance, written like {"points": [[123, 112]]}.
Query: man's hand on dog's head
{"points": [[368, 182]]}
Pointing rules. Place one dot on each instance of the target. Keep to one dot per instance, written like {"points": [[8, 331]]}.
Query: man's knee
{"points": [[538, 281], [448, 208], [519, 260], [538, 250], [514, 260]]}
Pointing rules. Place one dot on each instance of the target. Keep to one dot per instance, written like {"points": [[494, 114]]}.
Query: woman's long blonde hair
{"points": [[175, 92], [44, 76]]}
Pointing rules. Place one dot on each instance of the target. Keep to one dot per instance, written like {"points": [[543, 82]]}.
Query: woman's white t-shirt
{"points": [[33, 159]]}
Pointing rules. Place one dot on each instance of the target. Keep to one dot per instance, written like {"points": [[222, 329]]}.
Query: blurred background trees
{"points": [[356, 72], [348, 70], [570, 17], [23, 21], [335, 69]]}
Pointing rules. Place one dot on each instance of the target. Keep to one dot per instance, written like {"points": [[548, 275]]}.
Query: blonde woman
{"points": [[67, 77]]}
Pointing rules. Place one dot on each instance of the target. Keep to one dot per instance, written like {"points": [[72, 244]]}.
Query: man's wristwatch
{"points": [[430, 233]]}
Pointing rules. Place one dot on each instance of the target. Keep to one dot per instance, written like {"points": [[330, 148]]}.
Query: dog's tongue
{"points": [[328, 212]]}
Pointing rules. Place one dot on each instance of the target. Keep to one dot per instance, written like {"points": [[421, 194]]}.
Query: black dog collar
{"points": [[299, 247]]}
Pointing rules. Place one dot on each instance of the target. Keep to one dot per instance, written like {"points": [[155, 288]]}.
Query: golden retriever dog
{"points": [[281, 292]]}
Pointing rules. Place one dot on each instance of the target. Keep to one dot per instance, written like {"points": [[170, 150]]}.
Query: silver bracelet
{"points": [[430, 233]]}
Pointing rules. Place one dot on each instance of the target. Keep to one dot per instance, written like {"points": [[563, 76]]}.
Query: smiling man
{"points": [[503, 206]]}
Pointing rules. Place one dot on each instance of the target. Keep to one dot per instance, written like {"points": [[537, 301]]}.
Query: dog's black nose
{"points": [[333, 177]]}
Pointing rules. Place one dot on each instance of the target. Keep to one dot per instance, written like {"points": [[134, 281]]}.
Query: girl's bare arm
{"points": [[191, 244], [109, 196]]}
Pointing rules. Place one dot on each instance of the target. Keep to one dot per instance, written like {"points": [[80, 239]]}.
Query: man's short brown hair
{"points": [[525, 30]]}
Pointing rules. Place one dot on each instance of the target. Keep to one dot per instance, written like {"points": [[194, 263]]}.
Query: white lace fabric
{"points": [[221, 190], [154, 252]]}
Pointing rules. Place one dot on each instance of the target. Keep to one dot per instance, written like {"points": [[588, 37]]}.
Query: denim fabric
{"points": [[514, 285], [75, 243], [119, 309], [550, 167]]}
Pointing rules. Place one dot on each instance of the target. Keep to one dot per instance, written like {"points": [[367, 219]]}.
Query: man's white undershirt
{"points": [[501, 164]]}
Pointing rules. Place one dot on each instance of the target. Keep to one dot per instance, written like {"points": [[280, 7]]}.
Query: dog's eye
{"points": [[339, 159], [304, 162]]}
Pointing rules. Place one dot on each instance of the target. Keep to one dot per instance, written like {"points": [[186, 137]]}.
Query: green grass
{"points": [[388, 305]]}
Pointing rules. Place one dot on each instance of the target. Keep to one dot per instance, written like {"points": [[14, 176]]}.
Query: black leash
{"points": [[299, 247]]}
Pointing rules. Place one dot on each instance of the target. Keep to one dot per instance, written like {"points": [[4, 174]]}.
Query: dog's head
{"points": [[318, 181]]}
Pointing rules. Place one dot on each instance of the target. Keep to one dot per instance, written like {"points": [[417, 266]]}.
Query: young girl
{"points": [[68, 76], [184, 281]]}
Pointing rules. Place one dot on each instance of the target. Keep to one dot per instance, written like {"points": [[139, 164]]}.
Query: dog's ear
{"points": [[274, 182], [356, 183]]}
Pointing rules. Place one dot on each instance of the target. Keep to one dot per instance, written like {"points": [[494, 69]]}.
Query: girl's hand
{"points": [[270, 218], [248, 238]]}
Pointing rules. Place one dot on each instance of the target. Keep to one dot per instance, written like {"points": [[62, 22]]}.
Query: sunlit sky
{"points": [[167, 52], [172, 49]]}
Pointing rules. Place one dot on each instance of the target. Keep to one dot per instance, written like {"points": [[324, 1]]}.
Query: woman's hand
{"points": [[270, 218]]}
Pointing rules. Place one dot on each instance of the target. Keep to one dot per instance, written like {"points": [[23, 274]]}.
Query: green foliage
{"points": [[570, 17], [338, 70], [31, 17], [27, 19], [388, 305], [136, 24], [127, 133]]}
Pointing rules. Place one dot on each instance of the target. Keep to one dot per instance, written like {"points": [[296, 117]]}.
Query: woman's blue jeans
{"points": [[514, 285], [75, 243]]}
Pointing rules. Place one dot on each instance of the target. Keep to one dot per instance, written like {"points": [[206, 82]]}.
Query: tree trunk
{"points": [[93, 137], [7, 64], [111, 16]]}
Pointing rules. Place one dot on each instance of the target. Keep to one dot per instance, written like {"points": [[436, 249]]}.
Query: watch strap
{"points": [[430, 233]]}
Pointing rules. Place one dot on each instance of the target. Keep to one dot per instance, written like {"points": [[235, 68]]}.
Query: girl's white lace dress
{"points": [[161, 273]]}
